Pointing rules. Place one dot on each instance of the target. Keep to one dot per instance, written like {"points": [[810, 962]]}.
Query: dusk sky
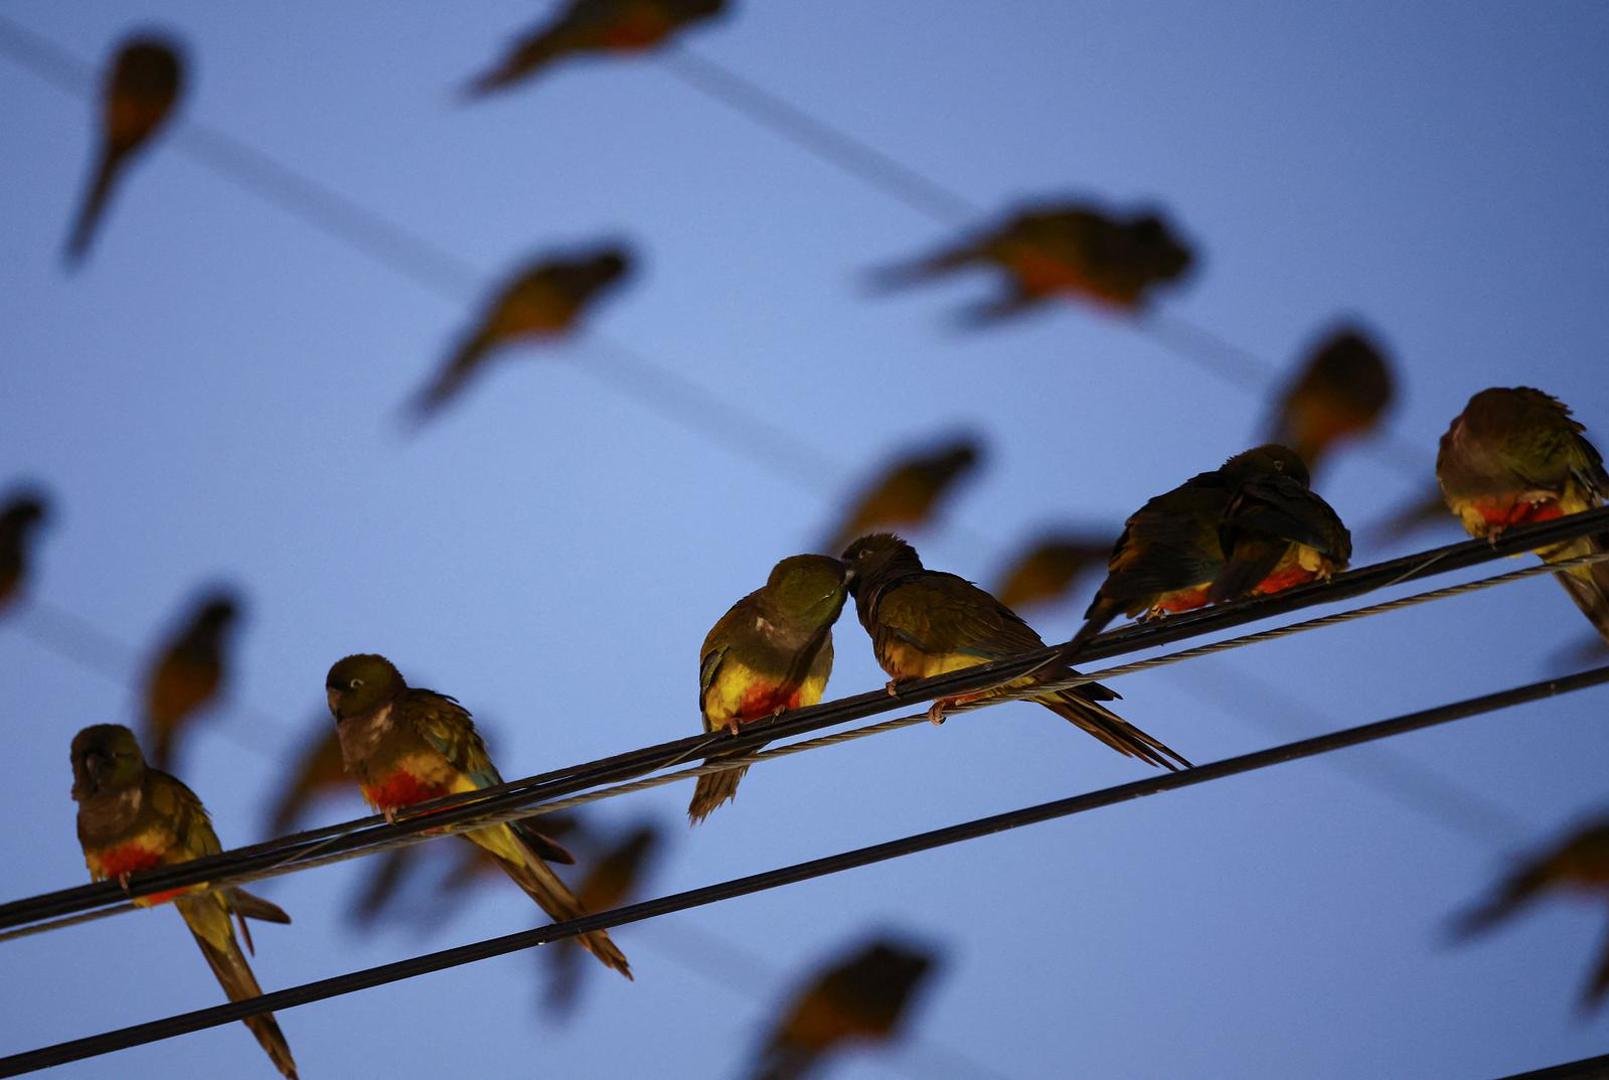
{"points": [[214, 397]]}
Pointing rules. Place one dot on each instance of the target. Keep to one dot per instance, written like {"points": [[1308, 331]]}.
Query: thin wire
{"points": [[350, 982], [1586, 1069]]}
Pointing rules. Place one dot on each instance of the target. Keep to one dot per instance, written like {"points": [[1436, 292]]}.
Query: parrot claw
{"points": [[390, 814], [122, 882], [892, 686], [935, 711], [732, 728]]}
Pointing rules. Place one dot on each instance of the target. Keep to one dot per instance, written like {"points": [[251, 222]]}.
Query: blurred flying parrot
{"points": [[136, 101], [318, 772], [614, 879], [133, 818], [22, 513], [863, 997], [594, 26], [1063, 249], [1342, 391], [1515, 456], [907, 491], [1277, 533], [187, 674], [405, 746], [771, 651], [1428, 508], [924, 623], [1049, 565], [545, 301], [1580, 863]]}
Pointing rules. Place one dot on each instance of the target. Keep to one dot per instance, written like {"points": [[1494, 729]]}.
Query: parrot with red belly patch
{"points": [[590, 27], [1277, 533], [1342, 391], [132, 817], [771, 652], [187, 675], [1515, 456], [406, 745]]}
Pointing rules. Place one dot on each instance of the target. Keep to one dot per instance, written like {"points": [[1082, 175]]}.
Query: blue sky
{"points": [[214, 395]]}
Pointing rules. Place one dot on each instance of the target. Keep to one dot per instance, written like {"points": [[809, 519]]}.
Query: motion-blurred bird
{"points": [[1426, 509], [614, 879], [545, 301], [405, 746], [1580, 863], [133, 818], [771, 651], [1278, 533], [864, 997], [907, 491], [1515, 456], [136, 101], [318, 772], [1341, 392], [1049, 565], [590, 27], [1064, 249], [924, 623], [187, 675], [19, 517]]}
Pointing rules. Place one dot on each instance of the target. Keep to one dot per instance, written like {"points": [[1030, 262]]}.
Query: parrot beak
{"points": [[334, 697], [94, 766]]}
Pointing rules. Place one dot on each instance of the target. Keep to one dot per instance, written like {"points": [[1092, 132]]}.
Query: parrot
{"points": [[136, 102], [19, 517], [545, 301], [1342, 391], [924, 623], [593, 26], [908, 490], [1063, 249], [1048, 566], [770, 652], [1277, 534], [1427, 508], [1515, 456], [319, 771], [613, 880], [1580, 863], [187, 674], [406, 745], [133, 817], [863, 997]]}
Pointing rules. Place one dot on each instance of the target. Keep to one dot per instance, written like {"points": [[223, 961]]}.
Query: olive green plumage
{"points": [[1276, 531]]}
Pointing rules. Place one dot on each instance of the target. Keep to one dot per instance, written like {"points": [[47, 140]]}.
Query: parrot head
{"points": [[1157, 249], [362, 683], [807, 586], [147, 67], [23, 510], [106, 760], [1264, 461], [218, 611], [609, 264], [877, 555]]}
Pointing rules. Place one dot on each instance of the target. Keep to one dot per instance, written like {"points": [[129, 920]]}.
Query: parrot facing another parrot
{"points": [[406, 745], [187, 675], [924, 623], [593, 26], [21, 515], [771, 651], [613, 880], [1342, 391], [1515, 456], [138, 97], [131, 818], [907, 491]]}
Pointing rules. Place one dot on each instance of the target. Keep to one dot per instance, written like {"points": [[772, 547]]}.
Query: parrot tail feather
{"points": [[1112, 729], [1588, 585], [784, 1061], [1598, 986], [234, 975], [553, 896], [713, 790], [1511, 897], [1102, 610], [94, 206]]}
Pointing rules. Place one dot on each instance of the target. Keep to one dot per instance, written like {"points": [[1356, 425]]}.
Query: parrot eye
{"points": [[356, 683]]}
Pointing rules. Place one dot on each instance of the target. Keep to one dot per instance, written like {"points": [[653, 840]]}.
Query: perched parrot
{"points": [[1277, 533], [907, 491], [187, 675], [613, 880], [20, 516], [318, 772], [136, 100], [771, 651], [1048, 566], [132, 818], [405, 745], [1579, 863], [1064, 249], [1515, 456], [545, 301], [924, 623], [594, 26], [862, 998], [1342, 391]]}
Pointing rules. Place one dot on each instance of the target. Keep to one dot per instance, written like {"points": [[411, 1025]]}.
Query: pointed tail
{"points": [[713, 790], [1587, 585], [94, 205], [1111, 729], [229, 966], [1102, 610], [1515, 892], [1598, 986]]}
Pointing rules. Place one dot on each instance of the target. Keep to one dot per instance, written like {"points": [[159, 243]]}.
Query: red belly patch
{"points": [[401, 789], [131, 859], [761, 701], [1505, 514], [1183, 599], [1280, 580]]}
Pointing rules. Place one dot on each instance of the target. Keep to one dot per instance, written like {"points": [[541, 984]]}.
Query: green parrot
{"points": [[138, 97], [1515, 456], [1277, 533], [770, 652], [594, 26], [406, 745], [1341, 392], [1580, 863], [19, 517], [1063, 249], [1046, 568], [545, 301], [863, 997], [924, 623], [615, 879], [907, 491], [132, 817], [188, 673]]}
